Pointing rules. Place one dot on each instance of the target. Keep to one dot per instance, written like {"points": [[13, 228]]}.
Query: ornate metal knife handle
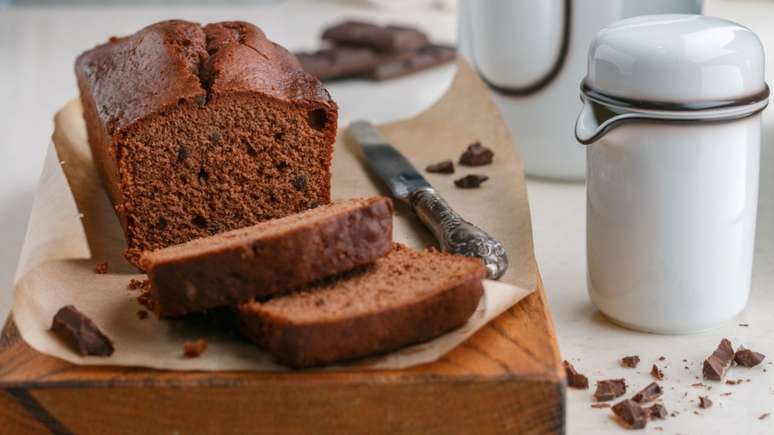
{"points": [[457, 235]]}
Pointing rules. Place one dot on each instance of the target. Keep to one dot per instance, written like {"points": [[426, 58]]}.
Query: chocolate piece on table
{"points": [[649, 393], [81, 333], [192, 349], [444, 167], [338, 62], [657, 411], [631, 413], [478, 155], [415, 61], [609, 389], [747, 358], [600, 405], [704, 402], [391, 39], [656, 372], [717, 364], [630, 361], [470, 181], [575, 379]]}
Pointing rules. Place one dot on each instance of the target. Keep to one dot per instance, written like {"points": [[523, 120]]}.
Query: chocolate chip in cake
{"points": [[101, 268], [182, 154], [717, 364], [575, 379], [609, 389], [656, 372], [318, 118], [657, 411], [444, 167], [215, 137], [476, 155], [470, 181], [213, 228], [193, 349], [630, 361], [704, 402], [632, 414], [300, 183], [161, 223], [203, 174], [199, 221], [747, 358], [648, 394], [80, 332]]}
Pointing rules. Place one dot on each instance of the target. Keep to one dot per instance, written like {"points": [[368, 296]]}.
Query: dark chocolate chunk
{"points": [[717, 364], [415, 61], [704, 402], [101, 268], [630, 361], [657, 411], [81, 333], [215, 137], [575, 379], [444, 167], [192, 349], [182, 154], [299, 183], [631, 413], [391, 39], [338, 62], [656, 372], [747, 358], [477, 155], [470, 181], [649, 393], [609, 389]]}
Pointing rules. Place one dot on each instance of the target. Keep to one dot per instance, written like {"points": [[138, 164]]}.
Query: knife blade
{"points": [[454, 234]]}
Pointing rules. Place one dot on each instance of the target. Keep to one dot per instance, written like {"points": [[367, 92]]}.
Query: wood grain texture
{"points": [[506, 378]]}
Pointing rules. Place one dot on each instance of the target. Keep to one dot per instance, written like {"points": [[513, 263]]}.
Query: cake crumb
{"points": [[657, 373], [630, 361], [764, 416], [102, 268], [193, 349]]}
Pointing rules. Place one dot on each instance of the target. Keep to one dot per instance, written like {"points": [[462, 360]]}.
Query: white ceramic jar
{"points": [[671, 117], [532, 54]]}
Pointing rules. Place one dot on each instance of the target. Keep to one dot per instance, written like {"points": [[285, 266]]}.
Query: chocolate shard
{"points": [[657, 411], [338, 62], [704, 402], [476, 155], [609, 389], [630, 361], [444, 167], [392, 67], [391, 39], [81, 333], [716, 366], [649, 393], [656, 372], [631, 413], [470, 181], [575, 379], [747, 358]]}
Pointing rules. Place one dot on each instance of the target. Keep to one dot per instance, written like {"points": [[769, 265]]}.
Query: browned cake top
{"points": [[403, 277], [175, 61]]}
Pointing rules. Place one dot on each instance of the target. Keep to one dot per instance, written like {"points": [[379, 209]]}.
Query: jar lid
{"points": [[676, 62]]}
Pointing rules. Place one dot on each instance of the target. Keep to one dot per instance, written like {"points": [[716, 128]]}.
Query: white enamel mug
{"points": [[671, 117]]}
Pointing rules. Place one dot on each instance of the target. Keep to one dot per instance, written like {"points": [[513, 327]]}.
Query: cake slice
{"points": [[197, 130], [404, 298], [268, 257]]}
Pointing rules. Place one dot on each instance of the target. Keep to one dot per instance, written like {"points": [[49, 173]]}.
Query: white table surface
{"points": [[37, 49]]}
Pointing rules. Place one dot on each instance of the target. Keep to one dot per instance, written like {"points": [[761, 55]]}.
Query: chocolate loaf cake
{"points": [[197, 130], [404, 298], [268, 257]]}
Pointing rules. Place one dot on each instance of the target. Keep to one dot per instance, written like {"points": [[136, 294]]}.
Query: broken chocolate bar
{"points": [[704, 402], [717, 364], [575, 379], [656, 372], [444, 167], [476, 155], [657, 411], [747, 358], [338, 62], [609, 389], [649, 393], [81, 333], [391, 39], [411, 62], [630, 361], [470, 181], [631, 413]]}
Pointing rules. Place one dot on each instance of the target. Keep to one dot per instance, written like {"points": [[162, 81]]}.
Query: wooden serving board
{"points": [[506, 378]]}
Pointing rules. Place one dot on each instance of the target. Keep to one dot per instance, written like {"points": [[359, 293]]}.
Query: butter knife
{"points": [[454, 234]]}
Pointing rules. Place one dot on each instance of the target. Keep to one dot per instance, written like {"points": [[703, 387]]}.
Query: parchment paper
{"points": [[73, 227]]}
